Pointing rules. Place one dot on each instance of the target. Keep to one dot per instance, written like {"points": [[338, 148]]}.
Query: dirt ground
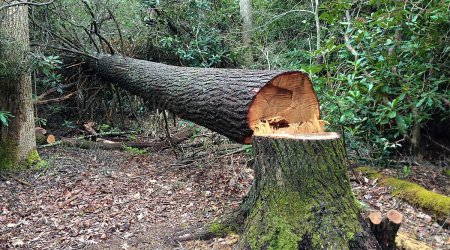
{"points": [[110, 199]]}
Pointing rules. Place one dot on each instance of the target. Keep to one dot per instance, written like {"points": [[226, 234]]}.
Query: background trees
{"points": [[380, 67]]}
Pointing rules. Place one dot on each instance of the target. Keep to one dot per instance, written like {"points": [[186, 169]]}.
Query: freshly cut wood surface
{"points": [[375, 217], [394, 216], [51, 139]]}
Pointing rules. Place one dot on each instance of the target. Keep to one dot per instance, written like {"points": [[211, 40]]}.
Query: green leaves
{"points": [[395, 80], [4, 118]]}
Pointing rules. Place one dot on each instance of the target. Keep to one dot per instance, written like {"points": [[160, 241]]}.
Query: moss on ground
{"points": [[413, 193], [219, 229], [417, 195], [34, 160]]}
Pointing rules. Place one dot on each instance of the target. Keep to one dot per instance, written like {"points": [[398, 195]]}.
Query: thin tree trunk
{"points": [[246, 14], [301, 197], [315, 7], [17, 141]]}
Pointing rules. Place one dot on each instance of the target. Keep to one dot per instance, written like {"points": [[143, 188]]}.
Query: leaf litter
{"points": [[97, 199]]}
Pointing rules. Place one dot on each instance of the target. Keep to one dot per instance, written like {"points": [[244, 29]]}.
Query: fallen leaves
{"points": [[87, 197], [99, 198]]}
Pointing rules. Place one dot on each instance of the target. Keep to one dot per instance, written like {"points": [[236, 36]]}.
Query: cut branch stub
{"points": [[232, 102], [385, 229]]}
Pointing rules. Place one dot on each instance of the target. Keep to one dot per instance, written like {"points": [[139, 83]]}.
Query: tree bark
{"points": [[301, 197], [245, 7], [228, 101], [17, 141]]}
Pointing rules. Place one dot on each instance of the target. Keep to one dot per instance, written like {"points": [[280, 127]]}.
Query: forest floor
{"points": [[110, 199]]}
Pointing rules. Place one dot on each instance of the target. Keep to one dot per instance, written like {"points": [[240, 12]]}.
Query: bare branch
{"points": [[96, 29], [59, 99], [118, 30], [75, 52], [26, 3]]}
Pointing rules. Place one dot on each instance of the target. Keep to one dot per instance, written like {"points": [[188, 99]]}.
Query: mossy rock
{"points": [[413, 193]]}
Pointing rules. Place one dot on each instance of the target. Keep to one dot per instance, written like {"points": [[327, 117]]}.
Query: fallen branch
{"points": [[111, 145], [25, 183], [54, 90], [407, 242], [89, 126], [59, 99]]}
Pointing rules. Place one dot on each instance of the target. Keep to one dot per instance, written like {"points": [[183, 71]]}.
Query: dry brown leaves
{"points": [[86, 197], [99, 199]]}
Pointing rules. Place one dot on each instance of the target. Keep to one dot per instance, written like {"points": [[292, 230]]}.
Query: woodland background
{"points": [[380, 68]]}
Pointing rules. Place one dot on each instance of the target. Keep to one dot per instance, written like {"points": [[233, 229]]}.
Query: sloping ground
{"points": [[97, 199]]}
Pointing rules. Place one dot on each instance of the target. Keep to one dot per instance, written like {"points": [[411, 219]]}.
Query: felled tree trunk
{"points": [[301, 196], [228, 101]]}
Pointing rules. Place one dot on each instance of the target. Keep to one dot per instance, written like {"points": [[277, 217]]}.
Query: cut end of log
{"points": [[394, 216], [51, 139], [375, 217], [286, 105]]}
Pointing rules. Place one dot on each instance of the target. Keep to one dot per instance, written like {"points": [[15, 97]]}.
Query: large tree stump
{"points": [[301, 197]]}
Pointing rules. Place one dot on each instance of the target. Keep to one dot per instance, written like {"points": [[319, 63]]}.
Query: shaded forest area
{"points": [[249, 124]]}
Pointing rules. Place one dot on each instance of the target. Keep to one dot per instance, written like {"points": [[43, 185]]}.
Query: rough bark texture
{"points": [[17, 141], [218, 99], [301, 198]]}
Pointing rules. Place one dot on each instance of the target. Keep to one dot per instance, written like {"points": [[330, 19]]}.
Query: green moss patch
{"points": [[417, 195], [6, 155], [8, 161], [282, 230], [218, 229], [413, 193]]}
